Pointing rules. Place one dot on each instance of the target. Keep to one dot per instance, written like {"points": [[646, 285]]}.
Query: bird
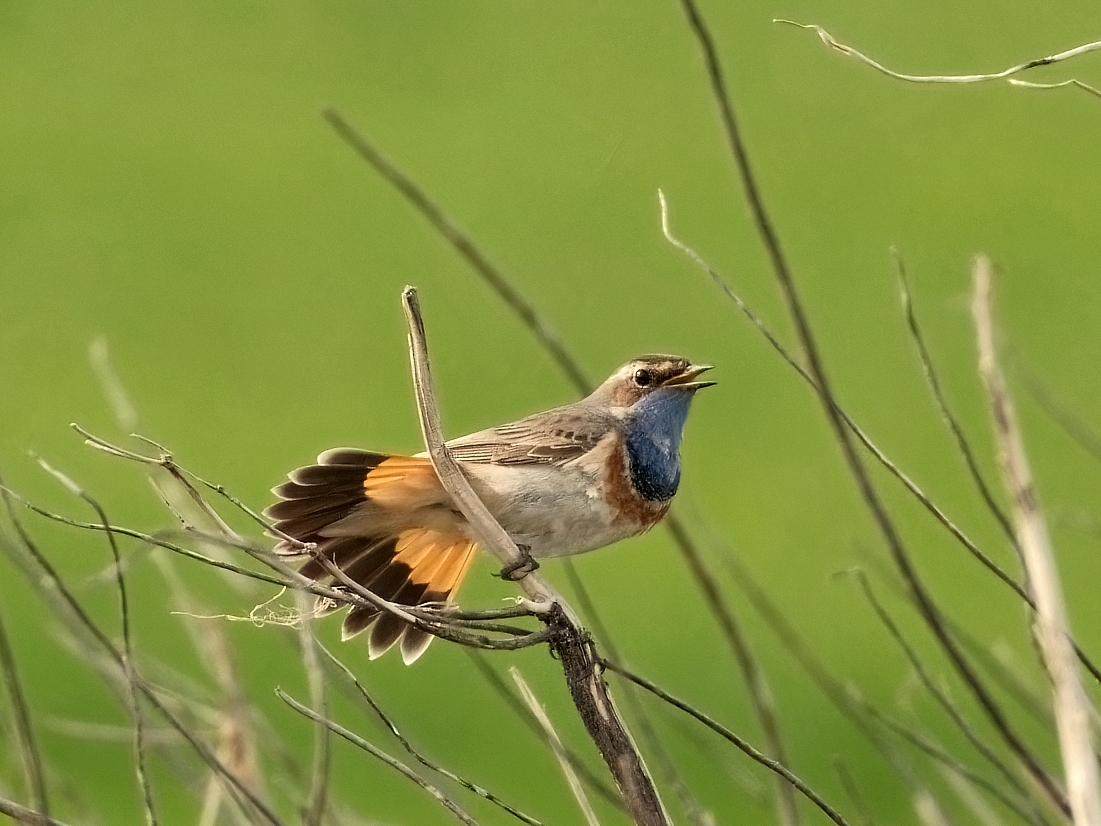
{"points": [[561, 482]]}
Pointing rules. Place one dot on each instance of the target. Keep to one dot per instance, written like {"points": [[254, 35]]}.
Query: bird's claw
{"points": [[526, 564]]}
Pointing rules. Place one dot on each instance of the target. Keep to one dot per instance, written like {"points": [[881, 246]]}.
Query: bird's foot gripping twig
{"points": [[523, 566]]}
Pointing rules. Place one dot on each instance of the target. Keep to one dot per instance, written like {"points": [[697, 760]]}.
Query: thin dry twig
{"points": [[79, 640], [833, 43], [920, 741], [1073, 711], [28, 817], [556, 746], [859, 432], [729, 735], [550, 340], [232, 713], [571, 644], [317, 797], [666, 765], [444, 622], [926, 679], [378, 753], [760, 696], [933, 381], [420, 758], [118, 530], [45, 571], [26, 742], [546, 334], [433, 622], [129, 669], [1019, 803], [501, 688], [1005, 675], [1072, 83], [846, 698], [866, 488]]}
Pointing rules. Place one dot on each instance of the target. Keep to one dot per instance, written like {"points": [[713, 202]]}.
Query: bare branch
{"points": [[44, 570], [378, 753], [1019, 803], [666, 765], [127, 644], [445, 622], [1073, 711], [555, 742], [25, 816], [729, 735], [1006, 676], [572, 645], [816, 367], [144, 537], [857, 431], [1085, 87], [549, 339], [26, 743], [317, 798], [868, 720], [513, 702], [546, 334], [755, 680], [830, 41], [931, 379], [232, 713], [926, 679], [420, 758], [1023, 809]]}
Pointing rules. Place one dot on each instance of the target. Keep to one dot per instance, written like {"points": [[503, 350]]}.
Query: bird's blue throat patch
{"points": [[655, 426]]}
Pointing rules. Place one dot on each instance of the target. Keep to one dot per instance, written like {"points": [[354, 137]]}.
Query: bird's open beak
{"points": [[687, 378]]}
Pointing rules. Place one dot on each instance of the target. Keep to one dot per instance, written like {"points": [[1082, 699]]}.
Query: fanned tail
{"points": [[386, 522]]}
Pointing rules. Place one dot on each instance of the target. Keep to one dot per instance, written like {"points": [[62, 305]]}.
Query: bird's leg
{"points": [[520, 568]]}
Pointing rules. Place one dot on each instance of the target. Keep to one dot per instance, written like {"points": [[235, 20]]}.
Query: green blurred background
{"points": [[169, 186]]}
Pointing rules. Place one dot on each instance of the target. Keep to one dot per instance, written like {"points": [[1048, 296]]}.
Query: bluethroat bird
{"points": [[560, 482]]}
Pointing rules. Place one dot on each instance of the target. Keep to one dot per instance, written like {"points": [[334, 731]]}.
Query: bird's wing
{"points": [[551, 438]]}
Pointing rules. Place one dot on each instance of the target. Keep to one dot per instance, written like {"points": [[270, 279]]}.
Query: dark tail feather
{"points": [[426, 567], [413, 567], [319, 495]]}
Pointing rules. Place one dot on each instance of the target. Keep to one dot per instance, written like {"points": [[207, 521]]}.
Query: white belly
{"points": [[555, 511]]}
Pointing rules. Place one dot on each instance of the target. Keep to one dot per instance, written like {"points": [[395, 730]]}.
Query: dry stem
{"points": [[830, 41], [816, 367], [26, 742], [549, 339], [556, 745], [1072, 708], [572, 643]]}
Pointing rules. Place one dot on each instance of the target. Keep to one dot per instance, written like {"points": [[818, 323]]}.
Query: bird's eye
{"points": [[643, 378]]}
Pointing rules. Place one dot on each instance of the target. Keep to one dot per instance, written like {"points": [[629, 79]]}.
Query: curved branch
{"points": [[834, 44], [572, 644]]}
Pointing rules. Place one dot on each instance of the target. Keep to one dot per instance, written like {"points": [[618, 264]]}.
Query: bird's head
{"points": [[648, 375]]}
